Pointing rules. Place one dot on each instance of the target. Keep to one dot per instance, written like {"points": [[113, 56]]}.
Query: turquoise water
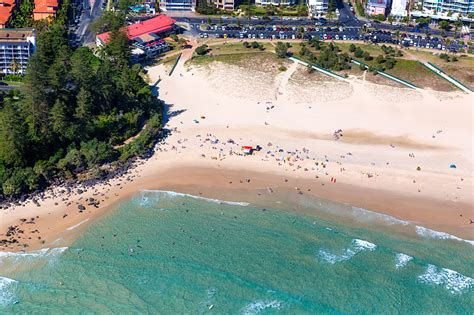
{"points": [[172, 254]]}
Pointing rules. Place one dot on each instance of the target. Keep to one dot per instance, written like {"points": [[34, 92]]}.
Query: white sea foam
{"points": [[75, 226], [356, 247], [363, 245], [173, 194], [402, 260], [7, 294], [368, 215], [261, 305], [452, 280], [425, 232], [45, 252]]}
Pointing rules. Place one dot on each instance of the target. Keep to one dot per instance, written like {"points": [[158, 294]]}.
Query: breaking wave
{"points": [[451, 280], [425, 232], [44, 252], [356, 247], [260, 305], [402, 260], [368, 215], [173, 194], [7, 294]]}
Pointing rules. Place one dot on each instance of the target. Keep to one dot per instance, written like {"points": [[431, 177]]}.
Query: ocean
{"points": [[169, 253]]}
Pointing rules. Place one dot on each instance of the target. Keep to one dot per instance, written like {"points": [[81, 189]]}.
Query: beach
{"points": [[404, 153]]}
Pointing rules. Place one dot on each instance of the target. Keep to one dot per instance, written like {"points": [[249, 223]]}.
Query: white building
{"points": [[275, 2], [317, 7], [16, 47], [178, 5], [399, 8], [225, 4], [444, 6]]}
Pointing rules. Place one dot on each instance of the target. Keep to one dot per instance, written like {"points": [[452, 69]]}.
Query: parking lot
{"points": [[328, 33]]}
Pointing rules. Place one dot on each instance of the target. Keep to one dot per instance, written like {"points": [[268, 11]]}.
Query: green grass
{"points": [[13, 83], [374, 50], [234, 58]]}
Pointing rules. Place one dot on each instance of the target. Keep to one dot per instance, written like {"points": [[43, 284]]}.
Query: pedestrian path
{"points": [[322, 70], [389, 76], [445, 76]]}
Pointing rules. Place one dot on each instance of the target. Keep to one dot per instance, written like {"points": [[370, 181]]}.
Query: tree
{"points": [[390, 63], [380, 59], [117, 49], [352, 48], [15, 66], [202, 50], [84, 107], [109, 21], [358, 53], [281, 50], [12, 136], [444, 25]]}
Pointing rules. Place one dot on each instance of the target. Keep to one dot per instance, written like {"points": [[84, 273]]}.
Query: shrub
{"points": [[202, 50], [281, 50]]}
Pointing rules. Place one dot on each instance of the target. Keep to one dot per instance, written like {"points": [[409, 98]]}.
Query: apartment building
{"points": [[317, 7], [178, 5], [445, 6], [16, 47], [376, 7], [226, 4], [399, 8], [275, 2]]}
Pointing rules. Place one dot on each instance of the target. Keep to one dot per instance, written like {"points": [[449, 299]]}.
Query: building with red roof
{"points": [[45, 9], [161, 25], [6, 10]]}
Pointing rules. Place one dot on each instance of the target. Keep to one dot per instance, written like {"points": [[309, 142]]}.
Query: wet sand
{"points": [[371, 146]]}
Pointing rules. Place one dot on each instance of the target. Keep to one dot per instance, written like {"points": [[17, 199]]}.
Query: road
{"points": [[83, 34], [347, 27]]}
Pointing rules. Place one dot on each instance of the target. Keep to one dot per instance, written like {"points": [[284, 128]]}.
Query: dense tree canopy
{"points": [[73, 111]]}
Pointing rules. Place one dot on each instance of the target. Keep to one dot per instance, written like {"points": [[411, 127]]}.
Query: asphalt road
{"points": [[83, 35]]}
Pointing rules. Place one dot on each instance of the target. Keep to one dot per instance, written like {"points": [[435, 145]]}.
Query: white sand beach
{"points": [[384, 148]]}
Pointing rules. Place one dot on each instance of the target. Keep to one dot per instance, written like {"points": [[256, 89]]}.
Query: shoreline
{"points": [[263, 190], [375, 141]]}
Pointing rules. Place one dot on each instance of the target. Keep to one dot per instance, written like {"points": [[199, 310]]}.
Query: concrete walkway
{"points": [[326, 72], [389, 76], [448, 78]]}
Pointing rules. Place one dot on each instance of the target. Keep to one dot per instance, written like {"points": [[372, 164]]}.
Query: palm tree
{"points": [[15, 66]]}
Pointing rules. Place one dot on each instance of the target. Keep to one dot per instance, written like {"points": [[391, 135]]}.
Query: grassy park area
{"points": [[234, 52], [402, 63]]}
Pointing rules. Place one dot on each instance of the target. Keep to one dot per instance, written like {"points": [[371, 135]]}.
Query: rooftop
{"points": [[157, 24], [378, 3], [45, 6], [6, 8]]}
